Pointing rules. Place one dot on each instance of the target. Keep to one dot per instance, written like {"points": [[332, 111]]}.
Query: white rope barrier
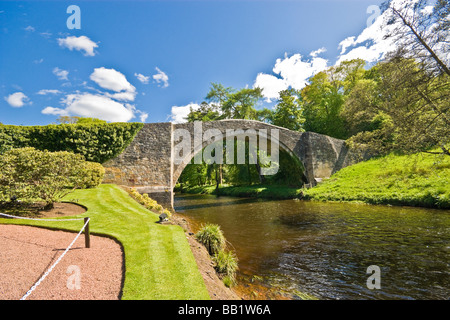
{"points": [[60, 257], [54, 265], [38, 219]]}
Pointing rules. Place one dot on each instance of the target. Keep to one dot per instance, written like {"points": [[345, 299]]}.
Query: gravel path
{"points": [[83, 274]]}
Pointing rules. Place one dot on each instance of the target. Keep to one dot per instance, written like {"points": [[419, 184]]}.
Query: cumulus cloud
{"points": [[81, 43], [17, 99], [110, 105], [370, 45], [161, 78], [293, 71], [95, 106], [179, 114], [111, 79], [60, 73], [142, 78]]}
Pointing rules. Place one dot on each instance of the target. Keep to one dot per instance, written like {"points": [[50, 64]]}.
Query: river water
{"points": [[291, 247]]}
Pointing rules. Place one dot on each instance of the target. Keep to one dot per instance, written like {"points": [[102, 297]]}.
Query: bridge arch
{"points": [[241, 129], [148, 165]]}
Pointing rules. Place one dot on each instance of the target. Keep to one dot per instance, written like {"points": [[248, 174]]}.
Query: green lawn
{"points": [[158, 261], [415, 180]]}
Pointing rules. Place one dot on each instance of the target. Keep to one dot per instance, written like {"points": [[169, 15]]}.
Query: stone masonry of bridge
{"points": [[147, 163]]}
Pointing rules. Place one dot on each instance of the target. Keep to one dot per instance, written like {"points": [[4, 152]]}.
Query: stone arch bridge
{"points": [[148, 165]]}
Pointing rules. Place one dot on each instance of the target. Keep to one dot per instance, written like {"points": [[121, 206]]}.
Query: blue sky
{"points": [[149, 60]]}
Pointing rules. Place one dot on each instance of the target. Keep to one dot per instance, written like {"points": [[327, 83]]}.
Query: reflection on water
{"points": [[324, 249]]}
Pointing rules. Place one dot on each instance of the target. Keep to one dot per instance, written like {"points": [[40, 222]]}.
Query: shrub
{"points": [[226, 264], [29, 175], [211, 236], [96, 141], [148, 202], [92, 175]]}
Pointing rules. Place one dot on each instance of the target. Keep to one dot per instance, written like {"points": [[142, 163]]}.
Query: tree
{"points": [[288, 113], [241, 104], [422, 30], [402, 107], [206, 112], [324, 98]]}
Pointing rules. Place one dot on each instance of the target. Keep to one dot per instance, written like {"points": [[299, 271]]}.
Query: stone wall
{"points": [[146, 163]]}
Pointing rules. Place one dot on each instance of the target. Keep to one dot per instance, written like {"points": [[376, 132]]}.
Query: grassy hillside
{"points": [[415, 180], [159, 263]]}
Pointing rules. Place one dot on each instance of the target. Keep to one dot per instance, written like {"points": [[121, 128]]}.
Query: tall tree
{"points": [[421, 31], [402, 108], [288, 113], [324, 97]]}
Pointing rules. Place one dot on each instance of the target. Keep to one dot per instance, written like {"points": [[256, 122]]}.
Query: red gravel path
{"points": [[27, 252]]}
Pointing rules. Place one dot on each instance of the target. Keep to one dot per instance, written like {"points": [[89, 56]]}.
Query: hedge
{"points": [[97, 142]]}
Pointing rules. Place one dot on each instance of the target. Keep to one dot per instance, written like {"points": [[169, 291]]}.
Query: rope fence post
{"points": [[87, 235]]}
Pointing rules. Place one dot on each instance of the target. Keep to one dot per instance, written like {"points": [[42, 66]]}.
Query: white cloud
{"points": [[81, 43], [54, 111], [179, 114], [30, 28], [371, 44], [60, 73], [317, 52], [292, 72], [270, 84], [17, 99], [347, 42], [142, 115], [44, 92], [110, 106], [95, 106], [142, 78], [111, 79], [161, 77]]}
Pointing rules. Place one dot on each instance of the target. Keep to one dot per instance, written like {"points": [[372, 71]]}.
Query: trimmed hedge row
{"points": [[97, 142]]}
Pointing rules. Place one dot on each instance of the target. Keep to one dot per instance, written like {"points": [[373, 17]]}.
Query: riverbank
{"points": [[420, 180], [253, 191]]}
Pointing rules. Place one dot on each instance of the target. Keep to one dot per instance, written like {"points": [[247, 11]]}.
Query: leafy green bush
{"points": [[30, 175], [211, 236], [92, 175], [97, 142]]}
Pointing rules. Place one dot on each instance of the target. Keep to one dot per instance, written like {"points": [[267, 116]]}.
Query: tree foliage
{"points": [[97, 142], [28, 174]]}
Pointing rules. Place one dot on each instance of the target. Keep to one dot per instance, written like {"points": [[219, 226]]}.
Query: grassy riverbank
{"points": [[159, 263], [253, 191], [414, 180]]}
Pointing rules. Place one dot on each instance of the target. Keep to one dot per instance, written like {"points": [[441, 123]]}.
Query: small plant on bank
{"points": [[211, 236], [226, 264]]}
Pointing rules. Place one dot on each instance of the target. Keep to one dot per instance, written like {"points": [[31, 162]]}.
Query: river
{"points": [[289, 247]]}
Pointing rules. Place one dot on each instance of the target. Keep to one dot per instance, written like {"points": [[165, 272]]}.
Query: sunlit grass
{"points": [[415, 180]]}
